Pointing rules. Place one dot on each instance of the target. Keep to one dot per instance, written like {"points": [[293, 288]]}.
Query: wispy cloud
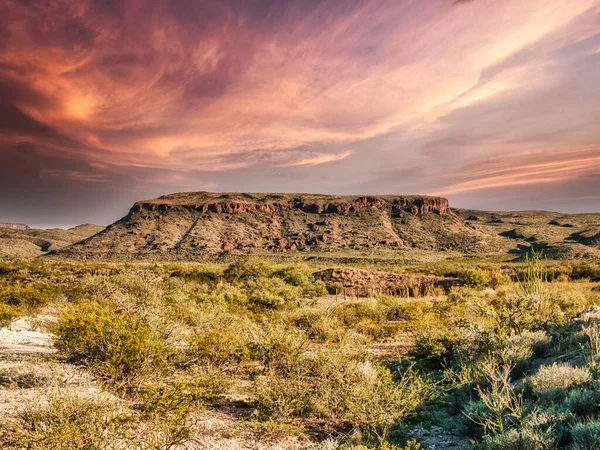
{"points": [[519, 169], [227, 88]]}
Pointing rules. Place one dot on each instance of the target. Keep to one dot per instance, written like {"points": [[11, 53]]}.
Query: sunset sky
{"points": [[494, 104]]}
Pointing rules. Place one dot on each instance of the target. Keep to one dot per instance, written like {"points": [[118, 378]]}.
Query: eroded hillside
{"points": [[26, 242], [202, 225]]}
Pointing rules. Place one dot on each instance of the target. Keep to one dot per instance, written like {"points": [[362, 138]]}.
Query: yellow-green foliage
{"points": [[170, 337], [7, 314], [115, 344], [475, 278], [410, 445], [334, 386], [75, 422], [67, 422]]}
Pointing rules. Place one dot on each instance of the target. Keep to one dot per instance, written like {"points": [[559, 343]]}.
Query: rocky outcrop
{"points": [[370, 281], [14, 226], [310, 204]]}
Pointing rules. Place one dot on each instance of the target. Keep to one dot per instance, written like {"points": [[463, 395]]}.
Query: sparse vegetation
{"points": [[510, 367]]}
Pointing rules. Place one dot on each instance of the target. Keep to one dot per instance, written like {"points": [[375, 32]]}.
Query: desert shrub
{"points": [[67, 422], [592, 347], [475, 278], [272, 293], [520, 440], [29, 296], [321, 328], [551, 383], [499, 278], [335, 288], [532, 277], [407, 311], [338, 387], [436, 343], [201, 275], [72, 422], [586, 271], [518, 349], [409, 445], [248, 269], [586, 436], [301, 275], [296, 274], [582, 402], [221, 345], [118, 346], [518, 313], [177, 398], [7, 314], [314, 289], [274, 342], [222, 293], [500, 407], [353, 313]]}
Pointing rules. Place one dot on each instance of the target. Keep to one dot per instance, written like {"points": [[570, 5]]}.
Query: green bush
{"points": [[586, 436], [475, 278], [298, 274], [248, 269], [582, 402], [338, 387], [118, 346], [222, 345], [30, 296], [272, 293], [66, 423], [520, 440], [551, 383], [7, 314]]}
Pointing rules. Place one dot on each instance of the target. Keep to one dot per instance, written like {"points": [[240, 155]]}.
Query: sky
{"points": [[494, 104]]}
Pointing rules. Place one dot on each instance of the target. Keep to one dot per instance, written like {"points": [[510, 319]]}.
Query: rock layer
{"points": [[312, 204]]}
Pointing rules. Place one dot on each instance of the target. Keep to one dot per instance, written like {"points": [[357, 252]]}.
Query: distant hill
{"points": [[205, 225], [27, 242], [14, 226], [556, 235]]}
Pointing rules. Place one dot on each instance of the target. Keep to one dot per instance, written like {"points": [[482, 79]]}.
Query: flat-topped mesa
{"points": [[205, 225], [14, 226], [313, 204]]}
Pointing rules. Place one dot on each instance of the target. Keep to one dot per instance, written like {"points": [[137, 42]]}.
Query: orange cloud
{"points": [[514, 170]]}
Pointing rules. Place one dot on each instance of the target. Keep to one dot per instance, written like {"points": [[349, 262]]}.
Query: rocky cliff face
{"points": [[14, 226], [309, 204], [201, 225]]}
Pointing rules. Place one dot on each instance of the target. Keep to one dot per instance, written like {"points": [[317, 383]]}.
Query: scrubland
{"points": [[509, 360]]}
